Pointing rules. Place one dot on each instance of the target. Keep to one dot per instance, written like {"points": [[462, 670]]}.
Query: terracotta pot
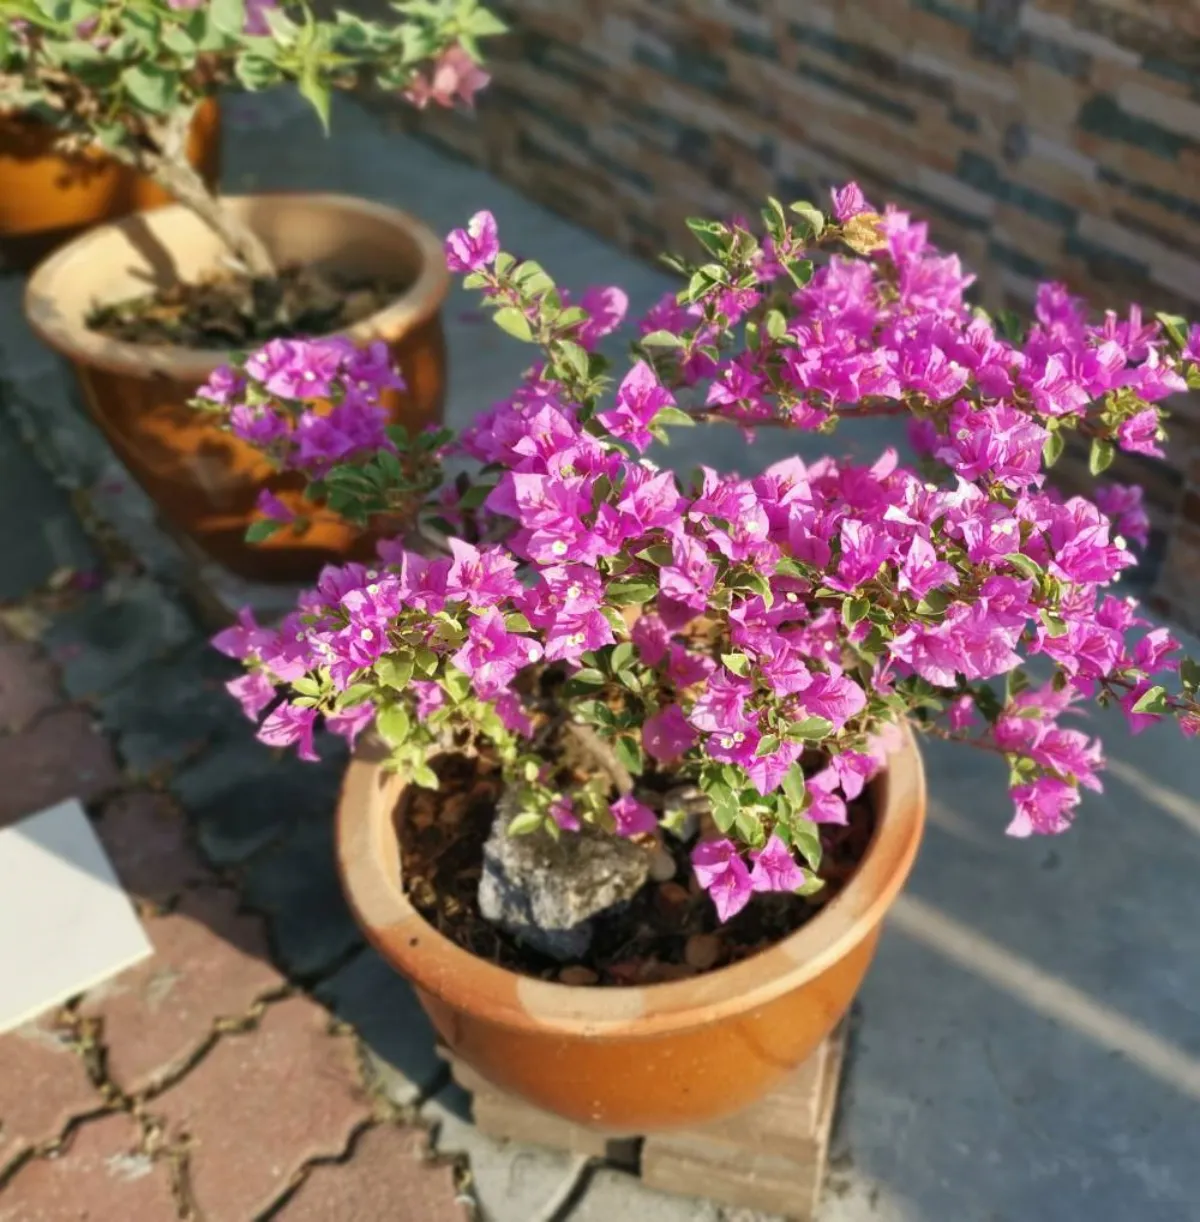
{"points": [[632, 1060], [46, 198], [204, 480]]}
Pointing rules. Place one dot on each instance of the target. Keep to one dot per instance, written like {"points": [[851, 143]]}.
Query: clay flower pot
{"points": [[632, 1060], [205, 481], [46, 197]]}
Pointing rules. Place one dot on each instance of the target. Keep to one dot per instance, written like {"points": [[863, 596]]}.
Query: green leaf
{"points": [[228, 16], [672, 415], [1101, 456], [811, 728], [812, 218], [1175, 326], [793, 785], [662, 339], [1053, 623], [1189, 673], [1152, 701], [622, 655], [1052, 449], [525, 823], [811, 885], [574, 355], [151, 88], [854, 609], [264, 528], [393, 725], [394, 671], [356, 693], [1024, 565], [316, 92], [629, 751], [514, 621], [768, 745], [589, 677], [512, 321], [421, 774], [633, 592], [737, 662]]}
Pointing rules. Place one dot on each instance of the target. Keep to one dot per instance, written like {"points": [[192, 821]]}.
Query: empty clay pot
{"points": [[46, 198], [632, 1060], [204, 480]]}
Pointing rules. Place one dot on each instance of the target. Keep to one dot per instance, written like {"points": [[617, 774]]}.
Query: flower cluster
{"points": [[761, 637]]}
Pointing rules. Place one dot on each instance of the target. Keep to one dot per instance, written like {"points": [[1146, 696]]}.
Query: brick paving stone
{"points": [[112, 635], [166, 710], [43, 1085], [389, 1176], [39, 533], [512, 1183], [260, 1105], [145, 836], [399, 1043], [27, 685], [209, 962], [242, 796], [101, 1176], [60, 756], [297, 886]]}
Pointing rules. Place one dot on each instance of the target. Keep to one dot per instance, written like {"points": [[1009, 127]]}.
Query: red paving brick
{"points": [[260, 1105], [60, 756], [209, 962], [43, 1086], [145, 837], [99, 1177], [387, 1176], [27, 685]]}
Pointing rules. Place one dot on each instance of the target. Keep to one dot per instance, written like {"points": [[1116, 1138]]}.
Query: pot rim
{"points": [[80, 344], [369, 865]]}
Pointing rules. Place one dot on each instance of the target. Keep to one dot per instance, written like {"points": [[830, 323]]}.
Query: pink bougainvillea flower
{"points": [[1044, 806], [632, 818], [775, 868], [721, 871], [455, 76], [290, 726], [666, 735], [562, 811], [640, 397], [849, 201], [475, 248], [253, 691]]}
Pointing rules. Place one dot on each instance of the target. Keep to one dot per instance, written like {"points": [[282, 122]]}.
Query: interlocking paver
{"points": [[261, 1105], [60, 756], [145, 836], [102, 1175], [297, 885], [210, 962], [27, 685], [389, 1175], [44, 1084], [398, 1040]]}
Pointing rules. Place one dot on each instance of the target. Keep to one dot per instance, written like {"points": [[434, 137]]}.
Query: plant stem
{"points": [[165, 160]]}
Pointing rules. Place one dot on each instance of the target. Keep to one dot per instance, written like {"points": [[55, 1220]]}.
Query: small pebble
{"points": [[702, 950], [662, 865], [577, 975], [672, 897]]}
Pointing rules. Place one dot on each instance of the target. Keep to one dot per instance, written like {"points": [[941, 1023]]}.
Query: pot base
{"points": [[771, 1156]]}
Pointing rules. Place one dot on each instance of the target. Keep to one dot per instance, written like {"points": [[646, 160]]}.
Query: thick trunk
{"points": [[167, 164]]}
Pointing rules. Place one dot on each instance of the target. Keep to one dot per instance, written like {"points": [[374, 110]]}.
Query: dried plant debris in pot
{"points": [[669, 931], [231, 310]]}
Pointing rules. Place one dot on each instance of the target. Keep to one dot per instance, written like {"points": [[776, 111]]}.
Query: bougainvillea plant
{"points": [[761, 637], [126, 76]]}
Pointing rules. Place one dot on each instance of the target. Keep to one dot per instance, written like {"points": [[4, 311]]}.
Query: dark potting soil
{"points": [[668, 931], [231, 310]]}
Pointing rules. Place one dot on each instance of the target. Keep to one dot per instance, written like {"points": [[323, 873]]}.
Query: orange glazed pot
{"points": [[632, 1060], [203, 479], [47, 197]]}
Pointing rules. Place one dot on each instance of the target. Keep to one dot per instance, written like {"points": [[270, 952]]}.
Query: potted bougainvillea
{"points": [[636, 777], [147, 307]]}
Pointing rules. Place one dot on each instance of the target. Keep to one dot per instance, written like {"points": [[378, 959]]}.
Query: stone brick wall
{"points": [[1043, 138]]}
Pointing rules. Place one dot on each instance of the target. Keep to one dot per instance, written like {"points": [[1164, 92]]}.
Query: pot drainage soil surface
{"points": [[669, 931], [230, 310]]}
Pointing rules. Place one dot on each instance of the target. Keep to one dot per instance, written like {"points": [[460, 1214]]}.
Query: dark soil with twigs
{"points": [[232, 310], [669, 931]]}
